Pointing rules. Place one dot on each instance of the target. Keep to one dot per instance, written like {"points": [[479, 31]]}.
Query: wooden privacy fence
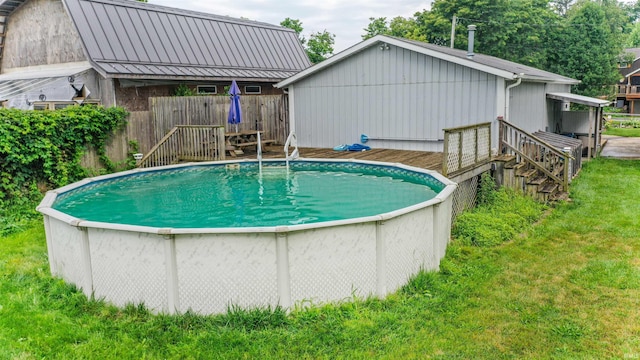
{"points": [[118, 147], [187, 143], [265, 113], [466, 147], [536, 153]]}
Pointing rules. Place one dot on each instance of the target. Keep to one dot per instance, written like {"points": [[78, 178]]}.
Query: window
{"points": [[207, 89], [51, 105], [252, 89]]}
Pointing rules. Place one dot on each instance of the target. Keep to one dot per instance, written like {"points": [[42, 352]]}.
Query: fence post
{"points": [[568, 169]]}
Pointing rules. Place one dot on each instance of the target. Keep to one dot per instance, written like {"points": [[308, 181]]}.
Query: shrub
{"points": [[40, 149]]}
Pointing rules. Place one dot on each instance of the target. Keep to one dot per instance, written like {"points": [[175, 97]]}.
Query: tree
{"points": [[561, 6], [509, 29], [586, 48], [406, 28], [377, 26], [320, 45], [633, 40], [295, 25], [398, 26]]}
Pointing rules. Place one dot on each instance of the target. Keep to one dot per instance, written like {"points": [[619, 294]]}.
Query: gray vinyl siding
{"points": [[392, 94], [554, 108], [528, 106]]}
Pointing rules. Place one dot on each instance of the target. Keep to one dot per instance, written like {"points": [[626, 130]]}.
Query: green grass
{"points": [[626, 132], [568, 289]]}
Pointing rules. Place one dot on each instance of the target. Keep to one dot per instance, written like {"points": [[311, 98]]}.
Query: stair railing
{"points": [[535, 152], [186, 143]]}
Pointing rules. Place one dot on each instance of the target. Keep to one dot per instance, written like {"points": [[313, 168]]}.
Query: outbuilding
{"points": [[402, 94], [55, 53]]}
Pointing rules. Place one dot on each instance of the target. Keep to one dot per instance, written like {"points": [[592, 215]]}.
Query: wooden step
{"points": [[519, 166], [560, 196], [504, 158], [537, 180], [549, 188], [526, 173]]}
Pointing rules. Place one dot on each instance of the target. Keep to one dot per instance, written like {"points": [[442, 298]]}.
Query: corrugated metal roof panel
{"points": [[506, 65], [8, 6], [156, 71], [177, 41], [27, 79]]}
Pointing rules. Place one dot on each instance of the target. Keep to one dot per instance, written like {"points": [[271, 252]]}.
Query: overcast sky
{"points": [[345, 19]]}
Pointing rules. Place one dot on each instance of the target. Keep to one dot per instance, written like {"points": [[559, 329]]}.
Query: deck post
{"points": [[500, 135], [445, 163]]}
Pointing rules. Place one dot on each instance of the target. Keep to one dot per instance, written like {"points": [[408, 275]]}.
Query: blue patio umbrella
{"points": [[235, 112]]}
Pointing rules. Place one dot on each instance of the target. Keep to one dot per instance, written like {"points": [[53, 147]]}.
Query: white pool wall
{"points": [[209, 270]]}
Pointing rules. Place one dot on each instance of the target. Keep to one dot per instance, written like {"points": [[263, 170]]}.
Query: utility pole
{"points": [[454, 20]]}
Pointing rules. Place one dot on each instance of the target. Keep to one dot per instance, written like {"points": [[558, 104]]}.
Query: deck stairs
{"points": [[540, 164], [523, 177], [187, 143]]}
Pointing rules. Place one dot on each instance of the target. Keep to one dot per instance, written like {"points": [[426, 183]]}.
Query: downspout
{"points": [[508, 95]]}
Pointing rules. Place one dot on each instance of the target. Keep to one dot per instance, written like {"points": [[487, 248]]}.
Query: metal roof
{"points": [[489, 64], [131, 39], [8, 6], [528, 72], [579, 99]]}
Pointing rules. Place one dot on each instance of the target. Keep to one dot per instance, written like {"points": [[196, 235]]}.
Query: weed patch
{"points": [[499, 216]]}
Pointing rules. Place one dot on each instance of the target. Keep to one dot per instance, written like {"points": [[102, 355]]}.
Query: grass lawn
{"points": [[626, 132], [569, 289]]}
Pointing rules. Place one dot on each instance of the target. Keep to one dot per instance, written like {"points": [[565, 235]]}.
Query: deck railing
{"points": [[187, 143], [536, 153], [628, 89], [466, 147]]}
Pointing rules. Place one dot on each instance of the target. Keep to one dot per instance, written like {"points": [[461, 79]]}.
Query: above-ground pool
{"points": [[204, 237]]}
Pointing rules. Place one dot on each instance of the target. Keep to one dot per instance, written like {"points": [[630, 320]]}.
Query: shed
{"points": [[123, 52], [402, 93]]}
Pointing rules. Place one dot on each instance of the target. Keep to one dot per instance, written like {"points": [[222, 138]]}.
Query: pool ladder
{"points": [[291, 141]]}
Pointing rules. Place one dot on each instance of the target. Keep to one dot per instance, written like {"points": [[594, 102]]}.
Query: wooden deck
{"points": [[422, 159]]}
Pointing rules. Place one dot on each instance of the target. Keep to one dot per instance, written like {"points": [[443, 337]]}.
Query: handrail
{"points": [[157, 146], [534, 163], [537, 139], [187, 143], [526, 146], [291, 139], [467, 127]]}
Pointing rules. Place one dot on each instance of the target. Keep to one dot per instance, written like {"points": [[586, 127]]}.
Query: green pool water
{"points": [[242, 196]]}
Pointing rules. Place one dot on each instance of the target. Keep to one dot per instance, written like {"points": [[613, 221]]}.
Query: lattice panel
{"points": [[484, 143], [468, 148], [464, 197], [453, 157], [333, 263], [219, 270], [405, 252], [128, 267]]}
